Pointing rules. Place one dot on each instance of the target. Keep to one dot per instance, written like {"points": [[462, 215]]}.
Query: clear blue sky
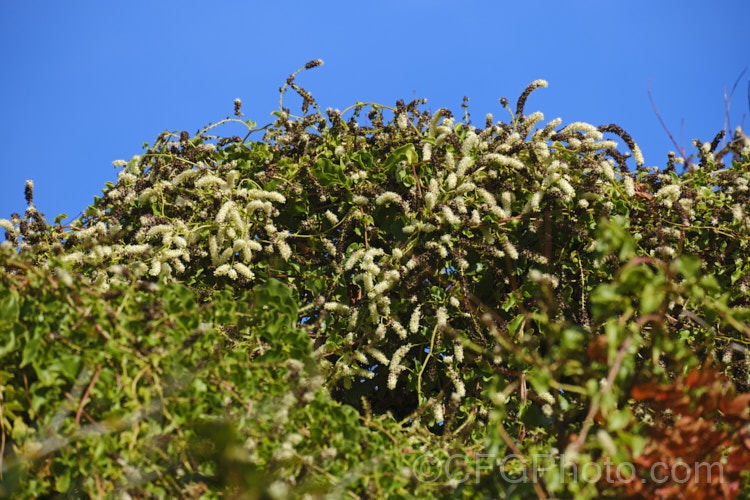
{"points": [[85, 83]]}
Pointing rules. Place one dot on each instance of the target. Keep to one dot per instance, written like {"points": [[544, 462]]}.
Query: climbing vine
{"points": [[413, 306]]}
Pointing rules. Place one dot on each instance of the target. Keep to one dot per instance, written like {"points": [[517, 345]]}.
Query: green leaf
{"points": [[738, 272], [330, 173], [200, 385], [62, 482], [651, 298], [411, 155], [29, 350], [540, 380], [618, 420], [404, 153], [178, 298], [515, 323], [276, 295], [572, 339], [687, 265], [510, 302], [710, 284], [10, 346], [9, 307]]}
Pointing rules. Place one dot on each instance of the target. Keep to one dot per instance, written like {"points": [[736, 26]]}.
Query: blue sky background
{"points": [[86, 83]]}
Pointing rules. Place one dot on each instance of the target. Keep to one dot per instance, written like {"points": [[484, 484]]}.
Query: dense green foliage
{"points": [[416, 307]]}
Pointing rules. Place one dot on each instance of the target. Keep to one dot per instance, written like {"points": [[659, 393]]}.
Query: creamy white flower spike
{"points": [[441, 318], [458, 351], [533, 119], [566, 188], [638, 155], [450, 165], [414, 321], [437, 409], [607, 169], [388, 197], [549, 129], [463, 166], [590, 130], [279, 240], [395, 365], [360, 200], [603, 145], [533, 204], [399, 329], [402, 121], [629, 185], [738, 214], [378, 356], [434, 121], [243, 270], [503, 160], [664, 251], [429, 201], [470, 142], [465, 188], [543, 278], [426, 151], [668, 194], [9, 227], [332, 218], [457, 382], [450, 217], [210, 180], [451, 181], [509, 249]]}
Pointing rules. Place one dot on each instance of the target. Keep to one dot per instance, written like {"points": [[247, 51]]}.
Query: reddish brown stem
{"points": [[416, 178], [594, 409], [86, 394], [680, 150]]}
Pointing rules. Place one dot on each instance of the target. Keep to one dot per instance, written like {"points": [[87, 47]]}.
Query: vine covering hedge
{"points": [[384, 302]]}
